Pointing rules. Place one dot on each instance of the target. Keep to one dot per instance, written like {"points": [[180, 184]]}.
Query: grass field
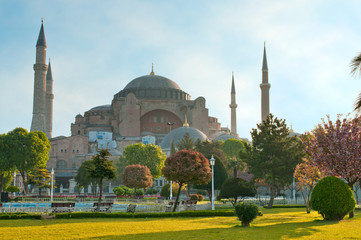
{"points": [[275, 224]]}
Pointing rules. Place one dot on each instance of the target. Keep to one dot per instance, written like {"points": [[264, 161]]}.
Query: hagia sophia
{"points": [[150, 109]]}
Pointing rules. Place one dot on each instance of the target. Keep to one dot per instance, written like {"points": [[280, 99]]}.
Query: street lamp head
{"points": [[170, 123], [212, 161], [52, 171], [14, 174]]}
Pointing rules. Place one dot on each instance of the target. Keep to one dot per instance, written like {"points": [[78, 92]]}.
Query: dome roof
{"points": [[152, 81], [226, 136], [178, 134], [153, 87], [102, 107]]}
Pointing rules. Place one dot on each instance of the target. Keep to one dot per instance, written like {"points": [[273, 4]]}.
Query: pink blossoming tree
{"points": [[335, 148], [307, 175]]}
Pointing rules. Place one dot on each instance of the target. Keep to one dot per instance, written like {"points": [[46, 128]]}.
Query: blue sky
{"points": [[97, 47]]}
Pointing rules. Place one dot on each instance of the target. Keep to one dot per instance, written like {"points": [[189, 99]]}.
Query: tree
{"points": [[6, 165], [101, 168], [232, 148], [335, 148], [187, 166], [82, 176], [209, 149], [274, 155], [307, 175], [27, 150], [137, 176], [356, 68], [186, 142], [39, 177], [148, 155], [236, 187]]}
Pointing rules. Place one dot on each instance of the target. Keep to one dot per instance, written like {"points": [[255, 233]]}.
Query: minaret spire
{"points": [[233, 107], [49, 102], [39, 105], [265, 87]]}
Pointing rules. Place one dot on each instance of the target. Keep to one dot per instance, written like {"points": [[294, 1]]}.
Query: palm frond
{"points": [[356, 65], [358, 104]]}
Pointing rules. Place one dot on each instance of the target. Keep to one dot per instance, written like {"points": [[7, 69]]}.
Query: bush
{"points": [[246, 212], [164, 192], [151, 191], [12, 189], [119, 191], [19, 216], [123, 191], [260, 213], [202, 192], [332, 198], [139, 192], [197, 197]]}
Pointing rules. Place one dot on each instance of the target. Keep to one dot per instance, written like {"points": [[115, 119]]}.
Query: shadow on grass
{"points": [[275, 231]]}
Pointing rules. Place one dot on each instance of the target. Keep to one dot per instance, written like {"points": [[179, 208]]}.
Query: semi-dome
{"points": [[178, 134], [101, 107], [153, 87], [225, 136]]}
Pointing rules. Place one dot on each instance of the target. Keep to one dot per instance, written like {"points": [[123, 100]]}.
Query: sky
{"points": [[97, 47]]}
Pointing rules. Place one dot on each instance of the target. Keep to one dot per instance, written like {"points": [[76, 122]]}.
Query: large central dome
{"points": [[153, 87], [152, 81]]}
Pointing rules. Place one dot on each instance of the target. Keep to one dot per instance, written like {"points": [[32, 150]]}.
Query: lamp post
{"points": [[52, 184], [170, 124], [14, 175], [212, 161]]}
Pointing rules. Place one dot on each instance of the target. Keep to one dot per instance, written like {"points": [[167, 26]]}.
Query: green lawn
{"points": [[275, 224]]}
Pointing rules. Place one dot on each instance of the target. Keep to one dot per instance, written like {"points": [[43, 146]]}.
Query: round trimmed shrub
{"points": [[139, 192], [332, 198], [246, 212], [119, 191], [151, 191]]}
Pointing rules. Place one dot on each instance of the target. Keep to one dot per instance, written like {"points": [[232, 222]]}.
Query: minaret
{"points": [[40, 67], [265, 86], [49, 103], [233, 107]]}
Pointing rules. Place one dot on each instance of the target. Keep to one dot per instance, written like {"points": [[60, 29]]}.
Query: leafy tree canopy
{"points": [[274, 154], [100, 168], [137, 176], [148, 155], [236, 187], [27, 150], [187, 166]]}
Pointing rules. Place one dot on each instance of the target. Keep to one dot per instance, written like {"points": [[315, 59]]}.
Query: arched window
{"points": [[60, 164]]}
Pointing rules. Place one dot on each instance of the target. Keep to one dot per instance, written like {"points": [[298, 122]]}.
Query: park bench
{"points": [[131, 208], [103, 207], [59, 207]]}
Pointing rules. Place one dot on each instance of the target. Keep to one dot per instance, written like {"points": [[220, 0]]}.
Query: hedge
{"points": [[19, 216], [205, 213], [286, 206]]}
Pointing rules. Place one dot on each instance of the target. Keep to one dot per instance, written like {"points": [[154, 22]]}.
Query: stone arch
{"points": [[155, 121]]}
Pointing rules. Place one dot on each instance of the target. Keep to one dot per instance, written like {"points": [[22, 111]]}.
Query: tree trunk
{"points": [[235, 172], [23, 176], [351, 214], [272, 195], [2, 182], [209, 191], [100, 193], [177, 199]]}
